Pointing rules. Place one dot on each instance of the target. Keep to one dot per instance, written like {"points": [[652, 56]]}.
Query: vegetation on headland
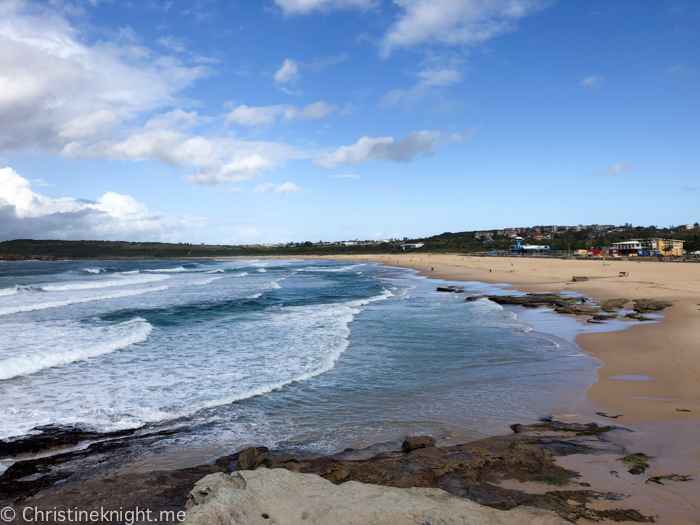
{"points": [[460, 242]]}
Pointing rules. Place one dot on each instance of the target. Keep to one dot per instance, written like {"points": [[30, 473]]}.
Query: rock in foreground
{"points": [[280, 497]]}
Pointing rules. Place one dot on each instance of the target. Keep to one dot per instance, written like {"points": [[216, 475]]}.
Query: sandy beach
{"points": [[661, 408]]}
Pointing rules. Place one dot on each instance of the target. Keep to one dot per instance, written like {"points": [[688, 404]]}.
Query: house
{"points": [[413, 246], [650, 247]]}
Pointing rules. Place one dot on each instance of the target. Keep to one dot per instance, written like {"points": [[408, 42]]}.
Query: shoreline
{"points": [[664, 353], [659, 430]]}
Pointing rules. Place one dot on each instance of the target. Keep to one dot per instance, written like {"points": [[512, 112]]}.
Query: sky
{"points": [[241, 122]]}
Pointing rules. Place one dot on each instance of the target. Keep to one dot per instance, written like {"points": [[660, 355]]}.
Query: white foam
{"points": [[55, 304], [168, 270], [103, 284], [203, 281], [123, 335], [262, 270]]}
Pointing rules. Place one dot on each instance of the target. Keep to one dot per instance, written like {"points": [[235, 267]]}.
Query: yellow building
{"points": [[670, 247]]}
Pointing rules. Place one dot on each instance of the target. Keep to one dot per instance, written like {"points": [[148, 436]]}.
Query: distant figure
{"points": [[432, 269], [489, 271]]}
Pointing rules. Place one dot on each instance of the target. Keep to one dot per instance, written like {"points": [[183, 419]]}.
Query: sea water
{"points": [[304, 355]]}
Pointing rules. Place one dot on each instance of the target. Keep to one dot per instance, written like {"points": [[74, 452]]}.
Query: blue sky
{"points": [[292, 120]]}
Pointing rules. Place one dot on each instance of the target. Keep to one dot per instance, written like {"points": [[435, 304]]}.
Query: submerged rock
{"points": [[280, 497]]}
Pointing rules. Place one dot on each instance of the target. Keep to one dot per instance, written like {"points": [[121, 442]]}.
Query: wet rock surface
{"points": [[650, 305], [597, 313], [613, 305], [472, 470], [416, 442]]}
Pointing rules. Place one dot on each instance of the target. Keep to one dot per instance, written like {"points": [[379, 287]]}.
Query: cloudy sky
{"points": [[289, 120]]}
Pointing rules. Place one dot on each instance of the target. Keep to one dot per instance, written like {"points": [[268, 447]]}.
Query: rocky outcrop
{"points": [[416, 442], [252, 458], [532, 300], [650, 305], [612, 305], [577, 309], [280, 497], [451, 289]]}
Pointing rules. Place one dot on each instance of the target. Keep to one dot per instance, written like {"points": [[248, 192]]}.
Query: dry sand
{"points": [[667, 351]]}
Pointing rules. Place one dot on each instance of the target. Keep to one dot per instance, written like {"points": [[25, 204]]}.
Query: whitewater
{"points": [[319, 354]]}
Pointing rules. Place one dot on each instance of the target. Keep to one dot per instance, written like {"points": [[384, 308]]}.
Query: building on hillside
{"points": [[684, 227], [550, 229], [412, 246]]}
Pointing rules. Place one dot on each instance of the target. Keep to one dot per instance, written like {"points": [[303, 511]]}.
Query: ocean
{"points": [[311, 355]]}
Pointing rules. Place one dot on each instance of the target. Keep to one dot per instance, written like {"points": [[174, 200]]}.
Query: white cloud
{"points": [[386, 148], [688, 188], [26, 214], [60, 96], [287, 187], [620, 167], [454, 22], [384, 188], [54, 88], [173, 43], [304, 7], [429, 79], [255, 116], [264, 188], [265, 115], [282, 189], [681, 70], [592, 81], [288, 72], [348, 109], [346, 176], [311, 111]]}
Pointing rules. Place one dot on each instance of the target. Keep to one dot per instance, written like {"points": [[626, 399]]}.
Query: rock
{"points": [[547, 418], [612, 305], [280, 497], [533, 300], [650, 305], [604, 414], [416, 442], [451, 289], [602, 317], [577, 309], [252, 458], [281, 459], [594, 321], [52, 437]]}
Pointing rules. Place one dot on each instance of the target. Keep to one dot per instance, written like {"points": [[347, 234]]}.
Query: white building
{"points": [[414, 246]]}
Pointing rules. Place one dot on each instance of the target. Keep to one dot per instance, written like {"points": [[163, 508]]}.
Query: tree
{"points": [[647, 244], [692, 244]]}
